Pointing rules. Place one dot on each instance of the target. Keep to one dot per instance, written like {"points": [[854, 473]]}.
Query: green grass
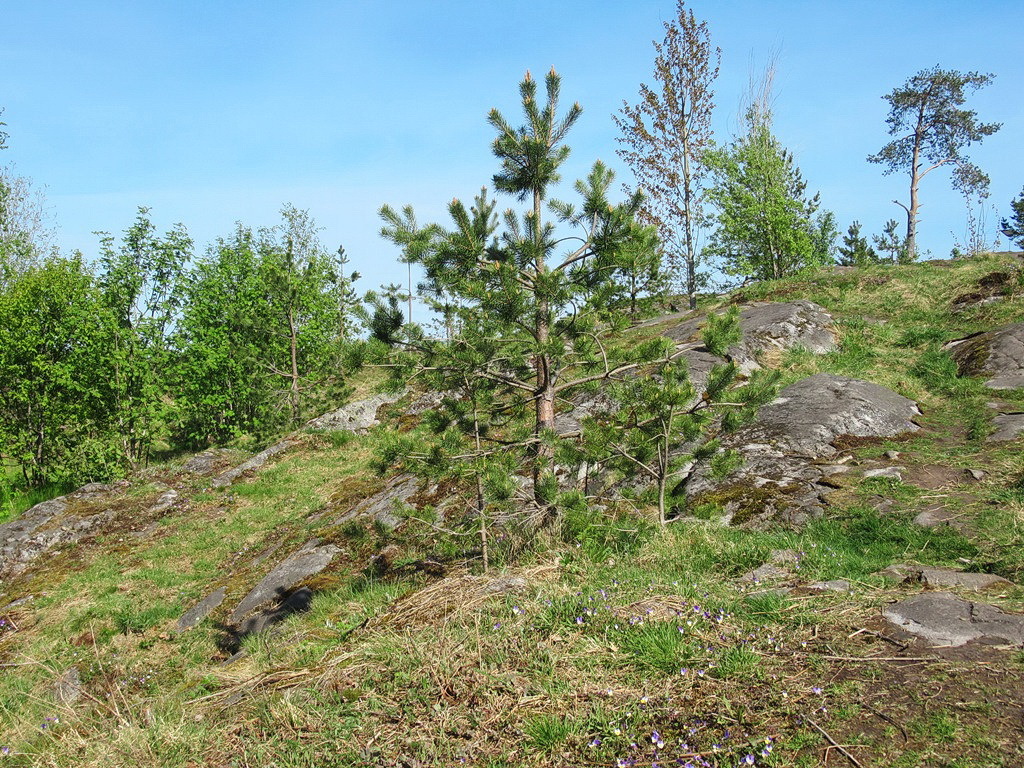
{"points": [[583, 663], [15, 500], [547, 733]]}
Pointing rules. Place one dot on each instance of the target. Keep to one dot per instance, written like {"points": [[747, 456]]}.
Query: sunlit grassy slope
{"points": [[627, 645]]}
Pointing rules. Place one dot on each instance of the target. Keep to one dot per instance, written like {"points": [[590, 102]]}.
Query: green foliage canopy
{"points": [[767, 226], [57, 376]]}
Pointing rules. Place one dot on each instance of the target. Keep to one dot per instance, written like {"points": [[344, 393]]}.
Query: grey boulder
{"points": [[384, 506], [998, 354], [1008, 426], [944, 577], [48, 525], [201, 610], [946, 620], [770, 326], [357, 416], [786, 452], [309, 560], [227, 478]]}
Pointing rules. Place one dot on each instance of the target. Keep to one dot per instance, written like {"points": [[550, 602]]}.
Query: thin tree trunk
{"points": [[410, 292], [293, 344], [663, 462], [662, 480], [545, 413], [691, 255], [911, 244], [480, 492], [915, 179]]}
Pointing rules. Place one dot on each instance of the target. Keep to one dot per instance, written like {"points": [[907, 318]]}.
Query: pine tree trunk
{"points": [[663, 464], [545, 414], [915, 180], [911, 245], [410, 292], [480, 492]]}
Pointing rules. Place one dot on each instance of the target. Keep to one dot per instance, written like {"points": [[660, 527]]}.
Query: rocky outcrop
{"points": [[201, 610], [943, 577], [998, 354], [383, 506], [276, 586], [208, 462], [768, 326], [50, 524], [1008, 426], [257, 461], [943, 619], [357, 416], [765, 327], [789, 451]]}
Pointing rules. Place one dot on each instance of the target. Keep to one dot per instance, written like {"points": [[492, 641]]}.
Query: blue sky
{"points": [[221, 111]]}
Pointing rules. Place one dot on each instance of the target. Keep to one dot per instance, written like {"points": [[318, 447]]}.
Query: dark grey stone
{"points": [[206, 462], [936, 515], [32, 519], [832, 585], [769, 325], [166, 500], [944, 619], [201, 610], [41, 529], [257, 461], [788, 450], [944, 577], [782, 325], [501, 585], [90, 490], [308, 561], [1009, 426], [809, 415], [889, 473], [381, 506], [582, 405], [766, 572], [998, 354]]}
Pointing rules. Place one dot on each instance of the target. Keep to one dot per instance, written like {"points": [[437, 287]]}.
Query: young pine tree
{"points": [[1013, 227], [855, 250], [532, 303], [892, 243], [660, 424]]}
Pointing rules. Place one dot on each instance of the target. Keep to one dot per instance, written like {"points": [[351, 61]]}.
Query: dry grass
{"points": [[460, 595]]}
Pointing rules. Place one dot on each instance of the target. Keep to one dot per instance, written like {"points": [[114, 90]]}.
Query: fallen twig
{"points": [[835, 744], [880, 636], [887, 719]]}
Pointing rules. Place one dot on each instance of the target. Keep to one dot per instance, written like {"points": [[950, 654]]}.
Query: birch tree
{"points": [[664, 138]]}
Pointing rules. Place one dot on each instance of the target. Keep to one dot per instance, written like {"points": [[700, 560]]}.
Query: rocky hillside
{"points": [[845, 595]]}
